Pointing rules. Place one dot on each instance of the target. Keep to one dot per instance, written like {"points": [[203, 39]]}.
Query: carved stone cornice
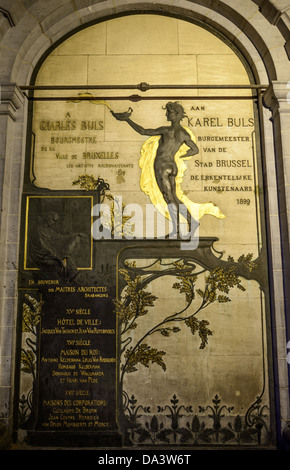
{"points": [[11, 99], [277, 97]]}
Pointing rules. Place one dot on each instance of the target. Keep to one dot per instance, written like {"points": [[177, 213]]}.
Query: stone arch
{"points": [[260, 35], [40, 33]]}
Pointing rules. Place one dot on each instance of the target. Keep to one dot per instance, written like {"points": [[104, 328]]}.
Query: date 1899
{"points": [[245, 202]]}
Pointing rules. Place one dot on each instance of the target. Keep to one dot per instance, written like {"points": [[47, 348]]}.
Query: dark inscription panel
{"points": [[77, 361]]}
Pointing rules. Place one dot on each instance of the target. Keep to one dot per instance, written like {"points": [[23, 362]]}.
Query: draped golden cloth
{"points": [[149, 186]]}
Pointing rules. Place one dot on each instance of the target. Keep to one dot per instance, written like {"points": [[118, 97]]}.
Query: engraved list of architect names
{"points": [[77, 360]]}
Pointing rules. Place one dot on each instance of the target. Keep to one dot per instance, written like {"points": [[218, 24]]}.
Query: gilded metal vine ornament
{"points": [[90, 183], [136, 301], [31, 316], [176, 423]]}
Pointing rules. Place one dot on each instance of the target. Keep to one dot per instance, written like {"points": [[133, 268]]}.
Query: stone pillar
{"points": [[12, 131], [277, 99]]}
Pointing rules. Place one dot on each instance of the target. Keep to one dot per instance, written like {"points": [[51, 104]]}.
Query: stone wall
{"points": [[260, 30]]}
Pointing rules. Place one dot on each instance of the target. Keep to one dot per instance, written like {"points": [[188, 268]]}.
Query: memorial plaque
{"points": [[143, 290], [68, 323], [77, 384]]}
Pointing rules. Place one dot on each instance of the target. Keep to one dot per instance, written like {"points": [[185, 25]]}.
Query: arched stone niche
{"points": [[243, 34]]}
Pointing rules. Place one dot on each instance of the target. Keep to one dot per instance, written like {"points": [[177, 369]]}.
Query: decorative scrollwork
{"points": [[176, 423]]}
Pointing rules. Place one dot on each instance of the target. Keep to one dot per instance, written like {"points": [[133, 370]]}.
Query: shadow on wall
{"points": [[5, 438]]}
